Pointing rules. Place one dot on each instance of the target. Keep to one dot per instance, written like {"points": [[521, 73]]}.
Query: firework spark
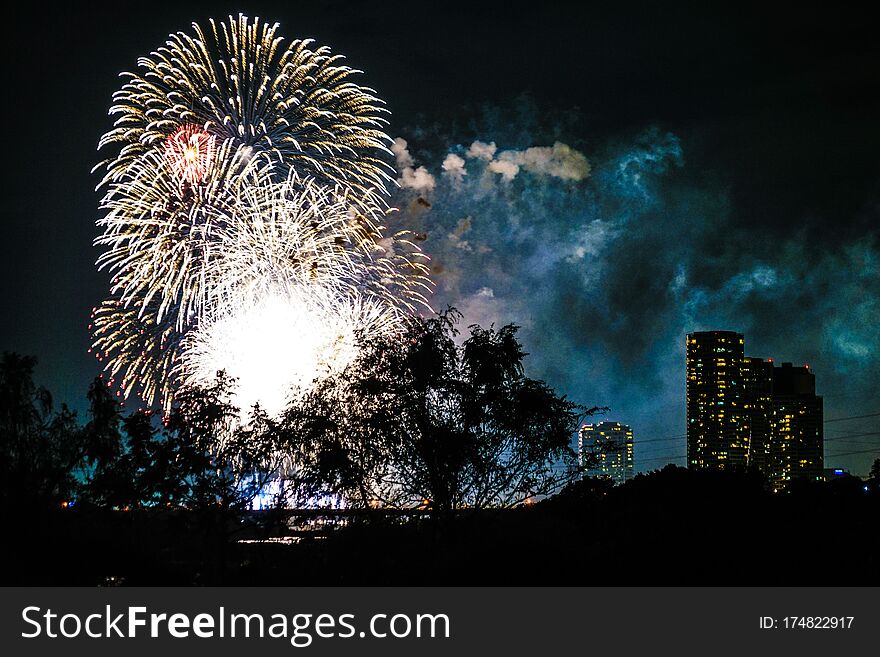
{"points": [[139, 352], [241, 84], [162, 235], [243, 211], [301, 233], [190, 152]]}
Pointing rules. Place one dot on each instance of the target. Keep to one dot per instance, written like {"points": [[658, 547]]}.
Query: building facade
{"points": [[609, 446], [715, 435], [757, 408], [745, 412], [796, 427]]}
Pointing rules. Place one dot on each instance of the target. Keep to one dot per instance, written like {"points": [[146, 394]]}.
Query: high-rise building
{"points": [[715, 436], [757, 405], [610, 446], [796, 427], [742, 412]]}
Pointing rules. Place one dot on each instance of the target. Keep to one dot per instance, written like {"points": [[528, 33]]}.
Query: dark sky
{"points": [[734, 181]]}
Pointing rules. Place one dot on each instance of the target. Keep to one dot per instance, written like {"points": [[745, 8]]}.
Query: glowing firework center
{"points": [[190, 151], [242, 219], [275, 345]]}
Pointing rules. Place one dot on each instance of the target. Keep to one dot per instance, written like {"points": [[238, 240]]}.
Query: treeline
{"points": [[49, 460], [419, 421], [451, 429]]}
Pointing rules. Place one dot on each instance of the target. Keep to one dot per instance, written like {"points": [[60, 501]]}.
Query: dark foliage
{"points": [[162, 501], [670, 527], [42, 450], [190, 465], [419, 420]]}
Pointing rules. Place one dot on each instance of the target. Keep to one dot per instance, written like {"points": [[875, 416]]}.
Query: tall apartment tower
{"points": [[796, 427], [611, 443], [757, 406], [745, 412], [716, 439]]}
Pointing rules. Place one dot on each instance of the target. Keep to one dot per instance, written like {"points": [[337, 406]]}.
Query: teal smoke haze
{"points": [[608, 253]]}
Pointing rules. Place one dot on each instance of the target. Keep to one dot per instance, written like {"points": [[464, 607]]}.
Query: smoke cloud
{"points": [[454, 167], [608, 253], [416, 179]]}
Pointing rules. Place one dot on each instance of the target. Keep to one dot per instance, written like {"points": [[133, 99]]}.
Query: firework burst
{"points": [[162, 234], [243, 211], [240, 83], [190, 153], [279, 342]]}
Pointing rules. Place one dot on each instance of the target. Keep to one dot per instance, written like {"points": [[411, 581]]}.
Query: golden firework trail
{"points": [[239, 82], [247, 188]]}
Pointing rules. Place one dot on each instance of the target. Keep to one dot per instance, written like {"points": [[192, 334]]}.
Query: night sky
{"points": [[655, 170]]}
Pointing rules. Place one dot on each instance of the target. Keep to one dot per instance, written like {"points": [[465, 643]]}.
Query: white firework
{"points": [[240, 82], [246, 202], [278, 343]]}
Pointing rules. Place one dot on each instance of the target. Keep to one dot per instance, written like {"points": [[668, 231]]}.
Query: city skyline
{"points": [[747, 413], [759, 375]]}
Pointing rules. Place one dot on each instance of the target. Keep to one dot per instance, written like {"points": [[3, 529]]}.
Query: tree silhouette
{"points": [[197, 457], [40, 448], [421, 420], [874, 475]]}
